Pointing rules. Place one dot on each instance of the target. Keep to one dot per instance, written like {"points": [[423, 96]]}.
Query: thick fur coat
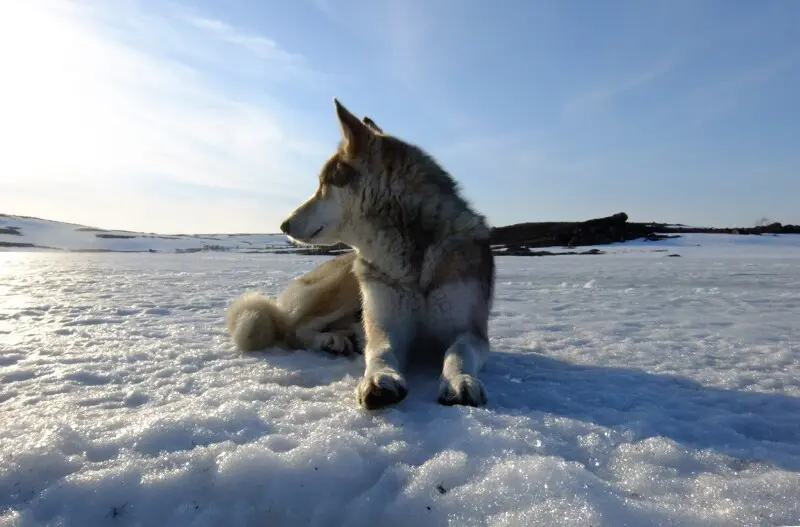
{"points": [[421, 258]]}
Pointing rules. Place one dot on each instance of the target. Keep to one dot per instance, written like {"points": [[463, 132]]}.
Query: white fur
{"points": [[443, 314]]}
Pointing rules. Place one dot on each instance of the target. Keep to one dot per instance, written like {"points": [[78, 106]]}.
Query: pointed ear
{"points": [[369, 122], [355, 133]]}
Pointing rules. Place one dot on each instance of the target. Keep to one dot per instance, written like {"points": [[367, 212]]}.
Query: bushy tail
{"points": [[254, 321]]}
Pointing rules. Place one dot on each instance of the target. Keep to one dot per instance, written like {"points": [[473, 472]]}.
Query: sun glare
{"points": [[53, 98]]}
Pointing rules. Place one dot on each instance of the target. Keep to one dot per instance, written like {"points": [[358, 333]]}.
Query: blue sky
{"points": [[207, 116]]}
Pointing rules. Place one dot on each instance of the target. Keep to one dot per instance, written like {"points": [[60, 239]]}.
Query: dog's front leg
{"points": [[459, 312], [462, 361], [389, 323]]}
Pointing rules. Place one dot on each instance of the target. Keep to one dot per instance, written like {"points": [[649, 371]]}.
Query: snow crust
{"points": [[625, 389]]}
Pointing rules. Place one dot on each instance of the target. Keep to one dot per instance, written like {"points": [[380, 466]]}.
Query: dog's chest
{"points": [[447, 309], [440, 311]]}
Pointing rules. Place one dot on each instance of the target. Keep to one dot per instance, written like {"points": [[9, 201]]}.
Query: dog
{"points": [[421, 257]]}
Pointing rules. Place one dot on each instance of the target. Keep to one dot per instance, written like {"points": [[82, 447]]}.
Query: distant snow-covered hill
{"points": [[23, 232]]}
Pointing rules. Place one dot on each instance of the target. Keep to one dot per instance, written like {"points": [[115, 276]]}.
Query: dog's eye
{"points": [[342, 174]]}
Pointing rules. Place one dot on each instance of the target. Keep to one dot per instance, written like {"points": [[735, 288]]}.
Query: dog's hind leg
{"points": [[354, 333], [326, 333], [462, 361], [338, 342]]}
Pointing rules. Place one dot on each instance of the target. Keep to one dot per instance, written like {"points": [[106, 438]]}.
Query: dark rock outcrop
{"points": [[110, 236], [10, 230], [523, 251], [313, 250], [16, 244], [597, 231], [772, 228]]}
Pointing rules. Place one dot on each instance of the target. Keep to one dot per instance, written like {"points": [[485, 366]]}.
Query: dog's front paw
{"points": [[463, 389], [381, 389], [335, 343]]}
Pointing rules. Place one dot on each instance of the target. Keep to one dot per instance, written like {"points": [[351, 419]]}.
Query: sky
{"points": [[201, 116]]}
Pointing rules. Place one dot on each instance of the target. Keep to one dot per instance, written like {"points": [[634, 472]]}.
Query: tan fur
{"points": [[423, 261], [320, 310], [254, 321]]}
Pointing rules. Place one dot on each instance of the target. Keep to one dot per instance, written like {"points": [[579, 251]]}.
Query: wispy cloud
{"points": [[725, 94], [278, 61], [404, 31], [411, 41], [523, 162], [261, 46], [605, 94], [516, 158], [95, 93]]}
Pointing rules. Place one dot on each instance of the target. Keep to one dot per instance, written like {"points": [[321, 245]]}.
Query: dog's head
{"points": [[328, 215]]}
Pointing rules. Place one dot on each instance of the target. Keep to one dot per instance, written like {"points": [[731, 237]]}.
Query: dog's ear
{"points": [[355, 133], [369, 122]]}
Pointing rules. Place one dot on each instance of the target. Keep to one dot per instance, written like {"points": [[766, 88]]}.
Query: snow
{"points": [[625, 389], [47, 234], [786, 245]]}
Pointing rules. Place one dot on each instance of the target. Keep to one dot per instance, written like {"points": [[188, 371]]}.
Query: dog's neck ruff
{"points": [[402, 253]]}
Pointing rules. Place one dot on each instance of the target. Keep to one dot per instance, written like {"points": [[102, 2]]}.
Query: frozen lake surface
{"points": [[625, 389]]}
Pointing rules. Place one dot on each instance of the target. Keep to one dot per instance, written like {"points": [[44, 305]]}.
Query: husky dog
{"points": [[320, 310], [421, 257]]}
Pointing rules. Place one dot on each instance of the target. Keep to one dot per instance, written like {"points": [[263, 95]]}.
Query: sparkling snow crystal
{"points": [[625, 389]]}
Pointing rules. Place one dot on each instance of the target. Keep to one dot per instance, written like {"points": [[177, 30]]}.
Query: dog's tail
{"points": [[254, 321]]}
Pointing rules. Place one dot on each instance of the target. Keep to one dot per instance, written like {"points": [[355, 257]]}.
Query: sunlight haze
{"points": [[203, 116]]}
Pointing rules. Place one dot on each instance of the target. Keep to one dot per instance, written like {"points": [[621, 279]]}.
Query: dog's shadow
{"points": [[746, 425], [742, 424]]}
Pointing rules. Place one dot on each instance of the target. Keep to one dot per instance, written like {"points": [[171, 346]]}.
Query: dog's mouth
{"points": [[307, 240], [315, 233]]}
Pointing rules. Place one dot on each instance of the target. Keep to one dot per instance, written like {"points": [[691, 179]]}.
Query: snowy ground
{"points": [[625, 389], [25, 233]]}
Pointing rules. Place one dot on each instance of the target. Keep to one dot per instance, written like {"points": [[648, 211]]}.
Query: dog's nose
{"points": [[285, 227]]}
